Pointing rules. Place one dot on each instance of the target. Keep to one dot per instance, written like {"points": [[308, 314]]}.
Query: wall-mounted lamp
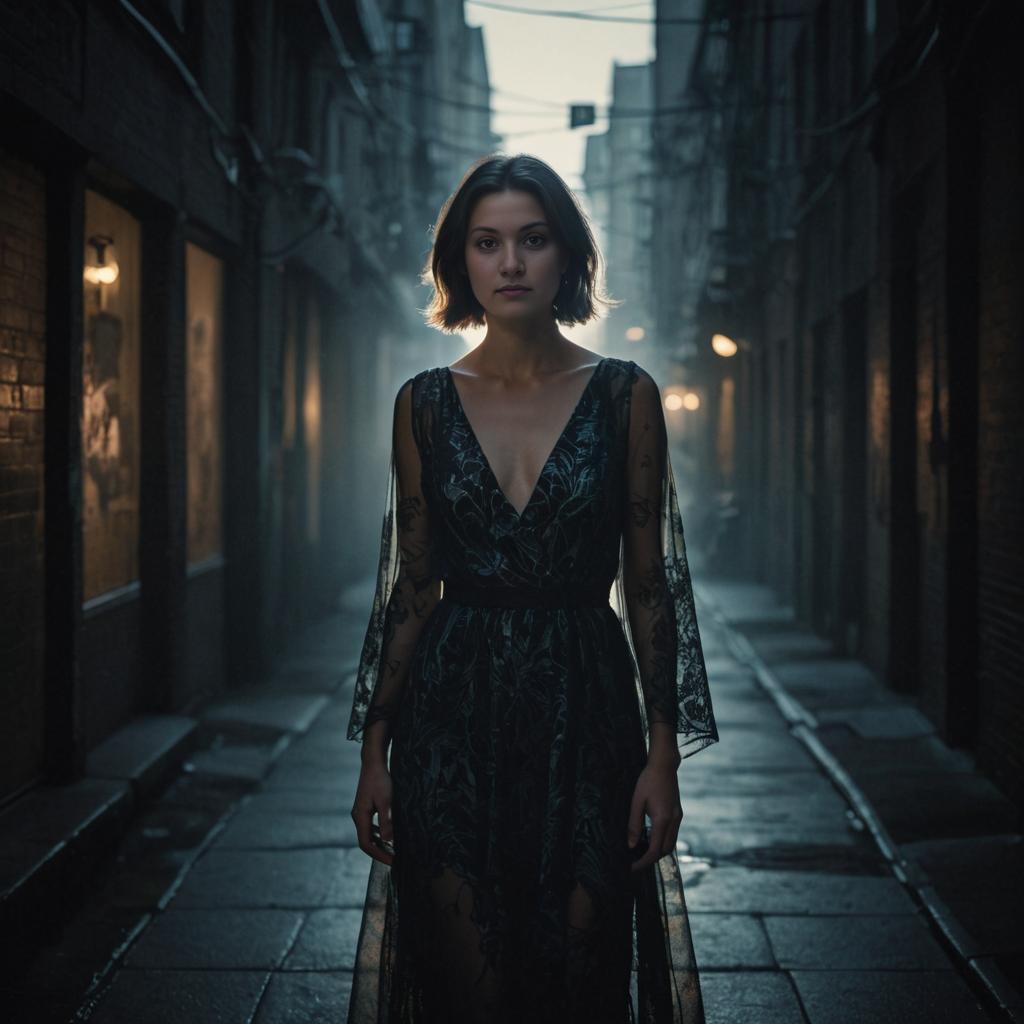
{"points": [[723, 345], [101, 271], [635, 334]]}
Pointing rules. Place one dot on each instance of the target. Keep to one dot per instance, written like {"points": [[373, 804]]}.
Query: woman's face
{"points": [[513, 259]]}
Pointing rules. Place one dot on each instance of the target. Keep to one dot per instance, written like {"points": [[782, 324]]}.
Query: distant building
{"points": [[617, 178]]}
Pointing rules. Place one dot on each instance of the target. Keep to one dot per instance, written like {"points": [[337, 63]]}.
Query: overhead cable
{"points": [[630, 20], [601, 110]]}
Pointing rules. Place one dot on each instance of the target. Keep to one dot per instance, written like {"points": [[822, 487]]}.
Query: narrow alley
{"points": [[230, 233], [238, 895]]}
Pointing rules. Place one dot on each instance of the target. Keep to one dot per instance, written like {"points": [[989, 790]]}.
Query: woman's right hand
{"points": [[373, 794]]}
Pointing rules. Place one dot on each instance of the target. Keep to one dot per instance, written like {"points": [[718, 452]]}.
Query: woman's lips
{"points": [[512, 292]]}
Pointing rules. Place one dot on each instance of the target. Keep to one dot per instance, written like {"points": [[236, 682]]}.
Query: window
{"points": [[110, 397]]}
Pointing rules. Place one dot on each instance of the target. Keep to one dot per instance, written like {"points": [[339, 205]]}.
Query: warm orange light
{"points": [[724, 345], [635, 334], [105, 274], [673, 402], [691, 401]]}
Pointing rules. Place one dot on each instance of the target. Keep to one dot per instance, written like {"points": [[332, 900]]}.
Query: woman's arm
{"points": [[652, 622], [416, 589], [662, 617], [393, 632], [648, 600]]}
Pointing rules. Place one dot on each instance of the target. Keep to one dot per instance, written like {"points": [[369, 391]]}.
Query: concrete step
{"points": [[51, 841], [55, 837], [145, 753]]}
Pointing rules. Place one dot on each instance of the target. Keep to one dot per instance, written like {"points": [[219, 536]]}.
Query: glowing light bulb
{"points": [[724, 345], [107, 274], [635, 334], [673, 402], [691, 401]]}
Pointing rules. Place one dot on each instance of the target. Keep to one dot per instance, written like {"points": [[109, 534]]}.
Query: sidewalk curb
{"points": [[987, 979]]}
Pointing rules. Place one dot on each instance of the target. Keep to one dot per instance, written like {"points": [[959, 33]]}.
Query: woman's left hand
{"points": [[657, 793]]}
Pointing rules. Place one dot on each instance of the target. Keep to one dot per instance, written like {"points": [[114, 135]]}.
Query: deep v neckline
{"points": [[551, 454]]}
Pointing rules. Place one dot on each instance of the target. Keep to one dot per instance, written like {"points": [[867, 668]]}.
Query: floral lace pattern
{"points": [[518, 733]]}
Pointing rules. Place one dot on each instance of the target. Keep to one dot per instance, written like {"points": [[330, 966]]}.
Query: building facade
{"points": [[212, 221], [867, 229]]}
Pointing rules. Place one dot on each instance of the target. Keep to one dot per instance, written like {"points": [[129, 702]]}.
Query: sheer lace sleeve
{"points": [[407, 585], [653, 584]]}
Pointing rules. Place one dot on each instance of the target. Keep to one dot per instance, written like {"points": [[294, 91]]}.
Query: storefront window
{"points": [[205, 278], [110, 397]]}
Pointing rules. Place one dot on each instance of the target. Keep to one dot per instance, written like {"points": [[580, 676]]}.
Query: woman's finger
{"points": [[679, 822], [659, 833], [636, 818], [646, 860], [377, 851], [361, 816], [384, 817]]}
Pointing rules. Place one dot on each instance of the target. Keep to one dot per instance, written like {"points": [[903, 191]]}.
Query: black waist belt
{"points": [[524, 597]]}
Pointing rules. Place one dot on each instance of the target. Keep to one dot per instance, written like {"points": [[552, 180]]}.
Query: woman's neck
{"points": [[522, 351]]}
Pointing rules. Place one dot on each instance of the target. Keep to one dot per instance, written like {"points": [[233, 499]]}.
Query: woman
{"points": [[531, 728]]}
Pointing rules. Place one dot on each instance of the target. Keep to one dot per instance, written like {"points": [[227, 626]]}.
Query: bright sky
{"points": [[547, 60], [556, 60]]}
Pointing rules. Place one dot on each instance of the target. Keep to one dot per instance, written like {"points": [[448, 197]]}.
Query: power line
{"points": [[402, 86], [495, 91], [538, 131], [616, 7], [602, 111], [628, 20]]}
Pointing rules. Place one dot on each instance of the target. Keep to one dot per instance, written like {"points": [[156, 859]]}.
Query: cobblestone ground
{"points": [[237, 897]]}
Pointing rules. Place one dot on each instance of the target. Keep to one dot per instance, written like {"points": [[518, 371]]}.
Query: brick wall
{"points": [[22, 330]]}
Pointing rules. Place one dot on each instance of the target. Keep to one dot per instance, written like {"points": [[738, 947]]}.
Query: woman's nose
{"points": [[510, 261]]}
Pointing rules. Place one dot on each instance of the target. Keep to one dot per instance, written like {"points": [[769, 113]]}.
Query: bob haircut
{"points": [[454, 306]]}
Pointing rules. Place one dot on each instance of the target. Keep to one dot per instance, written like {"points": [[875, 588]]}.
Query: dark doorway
{"points": [[822, 611], [853, 506], [905, 539]]}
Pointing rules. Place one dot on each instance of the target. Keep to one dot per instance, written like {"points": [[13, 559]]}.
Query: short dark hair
{"points": [[454, 306]]}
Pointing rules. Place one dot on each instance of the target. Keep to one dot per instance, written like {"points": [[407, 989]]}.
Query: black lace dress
{"points": [[519, 706]]}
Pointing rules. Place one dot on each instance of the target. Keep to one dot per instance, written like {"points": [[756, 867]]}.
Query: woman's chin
{"points": [[515, 310]]}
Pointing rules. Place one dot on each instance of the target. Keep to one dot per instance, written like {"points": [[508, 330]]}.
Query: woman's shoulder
{"points": [[431, 375], [423, 389], [628, 375]]}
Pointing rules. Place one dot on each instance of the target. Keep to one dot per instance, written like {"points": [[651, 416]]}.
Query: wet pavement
{"points": [[237, 895]]}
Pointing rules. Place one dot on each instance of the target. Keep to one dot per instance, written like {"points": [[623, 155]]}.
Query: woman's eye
{"points": [[533, 241]]}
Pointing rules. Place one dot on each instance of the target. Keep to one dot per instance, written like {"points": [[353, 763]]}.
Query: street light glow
{"points": [[635, 334], [673, 401], [691, 401], [724, 345]]}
